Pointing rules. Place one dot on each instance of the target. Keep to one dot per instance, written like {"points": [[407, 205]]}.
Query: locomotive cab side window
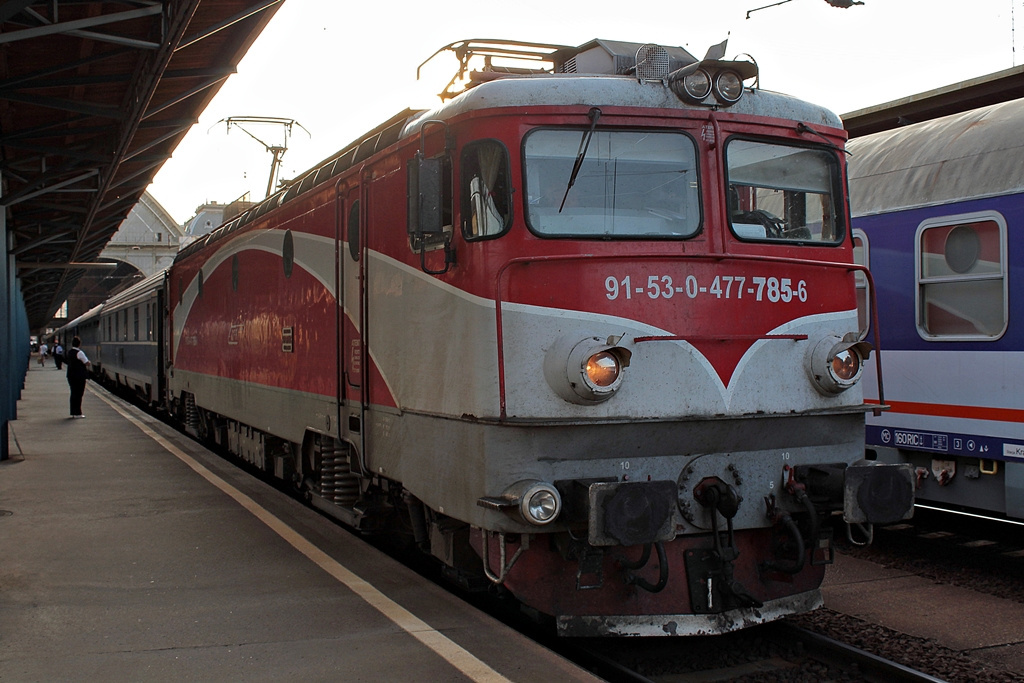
{"points": [[484, 186], [353, 231], [621, 184], [779, 192], [961, 277], [862, 256]]}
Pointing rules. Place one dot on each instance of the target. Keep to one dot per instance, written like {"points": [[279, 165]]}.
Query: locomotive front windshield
{"points": [[782, 192], [623, 184]]}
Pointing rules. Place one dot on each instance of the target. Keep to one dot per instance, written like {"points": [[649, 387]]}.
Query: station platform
{"points": [[128, 552], [985, 627]]}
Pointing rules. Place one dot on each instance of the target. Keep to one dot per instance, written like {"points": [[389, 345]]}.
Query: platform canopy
{"points": [[94, 97], [955, 98]]}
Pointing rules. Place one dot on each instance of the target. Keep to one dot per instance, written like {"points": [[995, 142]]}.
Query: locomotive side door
{"points": [[351, 315]]}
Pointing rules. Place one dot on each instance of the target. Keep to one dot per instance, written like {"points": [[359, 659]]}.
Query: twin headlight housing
{"points": [[724, 80]]}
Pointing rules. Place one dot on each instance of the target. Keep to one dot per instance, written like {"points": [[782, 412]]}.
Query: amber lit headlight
{"points": [[728, 87], [836, 364], [846, 365], [587, 371], [602, 370]]}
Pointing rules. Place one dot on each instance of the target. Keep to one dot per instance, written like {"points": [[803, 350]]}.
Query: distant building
{"points": [[211, 216], [148, 238], [146, 242], [208, 218]]}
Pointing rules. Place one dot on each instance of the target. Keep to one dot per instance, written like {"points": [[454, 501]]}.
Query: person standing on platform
{"points": [[43, 350], [78, 371], [58, 354]]}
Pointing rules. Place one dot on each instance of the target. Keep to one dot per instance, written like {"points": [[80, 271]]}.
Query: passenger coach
{"points": [[938, 208]]}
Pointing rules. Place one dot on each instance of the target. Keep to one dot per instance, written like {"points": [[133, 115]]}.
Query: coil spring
{"points": [[337, 483]]}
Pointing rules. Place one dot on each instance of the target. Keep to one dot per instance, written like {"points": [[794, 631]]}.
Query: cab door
{"points": [[351, 259]]}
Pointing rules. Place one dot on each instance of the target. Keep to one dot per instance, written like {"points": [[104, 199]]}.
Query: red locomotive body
{"points": [[593, 337]]}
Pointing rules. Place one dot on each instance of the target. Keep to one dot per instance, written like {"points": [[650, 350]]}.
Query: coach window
{"points": [[961, 277], [135, 321], [485, 193], [782, 192], [619, 184]]}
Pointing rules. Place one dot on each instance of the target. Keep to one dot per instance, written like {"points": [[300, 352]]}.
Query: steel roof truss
{"points": [[230, 21], [80, 152], [181, 97], [64, 66], [104, 111], [39, 187], [50, 28]]}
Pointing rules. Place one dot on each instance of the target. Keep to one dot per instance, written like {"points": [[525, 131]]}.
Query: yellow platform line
{"points": [[453, 653]]}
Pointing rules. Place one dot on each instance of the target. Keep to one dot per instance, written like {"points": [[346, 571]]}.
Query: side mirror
{"points": [[426, 202], [426, 184]]}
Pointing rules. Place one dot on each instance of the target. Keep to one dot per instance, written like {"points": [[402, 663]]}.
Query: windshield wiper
{"points": [[594, 114], [802, 127]]}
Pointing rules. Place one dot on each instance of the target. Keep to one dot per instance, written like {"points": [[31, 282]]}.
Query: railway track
{"points": [[775, 652], [989, 554]]}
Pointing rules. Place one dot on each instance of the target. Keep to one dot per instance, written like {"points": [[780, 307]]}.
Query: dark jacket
{"points": [[76, 368]]}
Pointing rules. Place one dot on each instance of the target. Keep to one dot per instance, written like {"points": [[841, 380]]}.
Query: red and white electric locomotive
{"points": [[590, 332]]}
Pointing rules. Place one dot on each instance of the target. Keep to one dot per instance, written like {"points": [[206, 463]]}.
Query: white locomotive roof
{"points": [[613, 91], [525, 91], [968, 155]]}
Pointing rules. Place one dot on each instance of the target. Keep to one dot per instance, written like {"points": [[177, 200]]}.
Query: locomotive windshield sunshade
{"points": [[570, 332]]}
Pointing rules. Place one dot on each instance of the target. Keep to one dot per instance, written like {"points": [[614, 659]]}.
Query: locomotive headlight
{"points": [[602, 370], [697, 85], [695, 82], [536, 502], [846, 365], [691, 83], [586, 372], [728, 87], [835, 364], [540, 504]]}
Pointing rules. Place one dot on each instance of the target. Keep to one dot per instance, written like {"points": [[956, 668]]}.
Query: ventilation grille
{"points": [[652, 62]]}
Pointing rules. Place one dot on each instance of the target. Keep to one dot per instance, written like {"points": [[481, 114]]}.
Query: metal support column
{"points": [[7, 410], [14, 342]]}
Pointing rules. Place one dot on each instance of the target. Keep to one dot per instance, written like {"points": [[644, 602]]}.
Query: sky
{"points": [[341, 68]]}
